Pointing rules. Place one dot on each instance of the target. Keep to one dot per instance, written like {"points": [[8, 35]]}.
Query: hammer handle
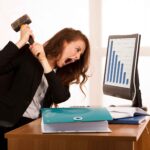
{"points": [[31, 41]]}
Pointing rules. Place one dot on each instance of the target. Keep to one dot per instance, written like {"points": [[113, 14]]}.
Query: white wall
{"points": [[96, 53], [48, 16]]}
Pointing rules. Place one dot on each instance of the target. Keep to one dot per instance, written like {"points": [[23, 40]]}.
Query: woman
{"points": [[42, 74]]}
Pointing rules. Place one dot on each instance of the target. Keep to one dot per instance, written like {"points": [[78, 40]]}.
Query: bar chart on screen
{"points": [[119, 62]]}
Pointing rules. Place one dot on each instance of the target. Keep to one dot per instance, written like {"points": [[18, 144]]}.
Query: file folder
{"points": [[56, 120], [62, 115]]}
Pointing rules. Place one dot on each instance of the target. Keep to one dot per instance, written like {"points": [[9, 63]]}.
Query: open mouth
{"points": [[68, 61]]}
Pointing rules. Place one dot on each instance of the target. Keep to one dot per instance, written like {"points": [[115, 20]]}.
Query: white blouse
{"points": [[33, 109]]}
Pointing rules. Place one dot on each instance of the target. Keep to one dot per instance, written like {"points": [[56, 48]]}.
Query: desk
{"points": [[123, 137]]}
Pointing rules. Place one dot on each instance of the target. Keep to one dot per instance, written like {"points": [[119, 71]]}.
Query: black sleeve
{"points": [[59, 92], [7, 73], [7, 54]]}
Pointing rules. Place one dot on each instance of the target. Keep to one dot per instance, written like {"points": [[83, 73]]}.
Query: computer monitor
{"points": [[121, 73]]}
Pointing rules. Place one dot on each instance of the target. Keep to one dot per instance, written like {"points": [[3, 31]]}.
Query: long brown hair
{"points": [[74, 72]]}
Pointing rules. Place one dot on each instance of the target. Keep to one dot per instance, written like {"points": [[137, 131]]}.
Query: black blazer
{"points": [[22, 73]]}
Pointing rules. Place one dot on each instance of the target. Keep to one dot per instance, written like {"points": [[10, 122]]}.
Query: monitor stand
{"points": [[137, 101]]}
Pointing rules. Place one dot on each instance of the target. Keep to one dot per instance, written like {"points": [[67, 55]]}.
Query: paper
{"points": [[123, 112], [99, 126]]}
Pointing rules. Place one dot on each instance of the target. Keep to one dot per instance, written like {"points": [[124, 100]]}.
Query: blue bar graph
{"points": [[116, 73], [115, 68], [118, 65]]}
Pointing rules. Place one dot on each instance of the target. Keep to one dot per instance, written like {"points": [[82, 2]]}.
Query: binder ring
{"points": [[77, 118]]}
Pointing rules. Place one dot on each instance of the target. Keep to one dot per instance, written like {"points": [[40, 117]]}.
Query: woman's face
{"points": [[72, 52]]}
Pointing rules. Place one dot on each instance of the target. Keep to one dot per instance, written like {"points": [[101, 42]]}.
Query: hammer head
{"points": [[20, 21]]}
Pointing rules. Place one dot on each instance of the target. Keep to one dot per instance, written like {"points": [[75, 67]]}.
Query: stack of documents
{"points": [[75, 120], [127, 115]]}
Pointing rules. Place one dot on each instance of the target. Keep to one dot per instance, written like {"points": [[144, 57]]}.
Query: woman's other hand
{"points": [[38, 51]]}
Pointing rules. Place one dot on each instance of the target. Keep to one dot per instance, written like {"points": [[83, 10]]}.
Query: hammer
{"points": [[16, 25]]}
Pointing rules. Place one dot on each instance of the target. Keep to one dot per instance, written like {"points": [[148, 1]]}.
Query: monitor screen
{"points": [[121, 66]]}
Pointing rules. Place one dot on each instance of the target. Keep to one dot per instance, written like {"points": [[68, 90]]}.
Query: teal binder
{"points": [[66, 115]]}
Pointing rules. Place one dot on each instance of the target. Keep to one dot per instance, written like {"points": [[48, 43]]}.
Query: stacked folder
{"points": [[129, 120], [86, 119]]}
